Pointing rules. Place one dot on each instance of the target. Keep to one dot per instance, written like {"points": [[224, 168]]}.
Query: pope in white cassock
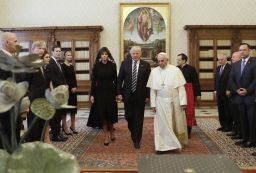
{"points": [[168, 100]]}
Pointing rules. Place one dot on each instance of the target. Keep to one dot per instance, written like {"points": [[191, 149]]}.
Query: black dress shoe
{"points": [[137, 145], [220, 129], [59, 138], [236, 137], [241, 142], [248, 145], [226, 130], [231, 134]]}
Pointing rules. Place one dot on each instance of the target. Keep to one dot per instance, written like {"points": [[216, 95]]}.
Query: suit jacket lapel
{"points": [[140, 69], [225, 69], [239, 68], [246, 65], [129, 66]]}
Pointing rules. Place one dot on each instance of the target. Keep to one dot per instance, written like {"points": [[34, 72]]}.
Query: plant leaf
{"points": [[4, 156], [41, 108], [41, 158]]}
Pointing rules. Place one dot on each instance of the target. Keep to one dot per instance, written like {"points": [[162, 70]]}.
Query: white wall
{"points": [[36, 13]]}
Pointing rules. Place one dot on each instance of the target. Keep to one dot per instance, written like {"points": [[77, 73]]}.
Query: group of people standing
{"points": [[51, 75], [136, 85], [235, 89]]}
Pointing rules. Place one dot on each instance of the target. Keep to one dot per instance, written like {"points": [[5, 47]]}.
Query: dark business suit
{"points": [[57, 78], [234, 111], [38, 83], [221, 82], [245, 80], [5, 122], [134, 103]]}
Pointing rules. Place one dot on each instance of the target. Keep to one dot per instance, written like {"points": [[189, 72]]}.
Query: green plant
{"points": [[35, 156]]}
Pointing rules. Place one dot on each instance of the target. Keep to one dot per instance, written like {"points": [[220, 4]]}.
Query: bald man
{"points": [[236, 129], [8, 43]]}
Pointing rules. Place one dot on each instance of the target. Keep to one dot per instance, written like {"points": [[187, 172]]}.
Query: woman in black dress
{"points": [[103, 94], [70, 76]]}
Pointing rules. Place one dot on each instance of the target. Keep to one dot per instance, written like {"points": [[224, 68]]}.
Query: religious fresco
{"points": [[147, 28]]}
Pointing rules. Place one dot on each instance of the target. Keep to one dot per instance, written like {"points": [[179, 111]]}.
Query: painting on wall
{"points": [[145, 25]]}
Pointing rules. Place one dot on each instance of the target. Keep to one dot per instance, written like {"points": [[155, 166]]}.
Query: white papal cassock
{"points": [[167, 94]]}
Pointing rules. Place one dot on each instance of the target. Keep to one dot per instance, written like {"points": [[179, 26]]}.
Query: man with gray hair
{"points": [[168, 100], [8, 43], [221, 81]]}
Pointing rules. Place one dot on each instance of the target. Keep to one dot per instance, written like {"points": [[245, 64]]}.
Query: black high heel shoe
{"points": [[106, 143], [73, 131], [66, 132], [113, 139]]}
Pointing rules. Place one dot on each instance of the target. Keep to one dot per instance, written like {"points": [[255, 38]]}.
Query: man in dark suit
{"points": [[8, 43], [38, 83], [131, 88], [243, 84], [221, 80], [233, 107], [57, 78]]}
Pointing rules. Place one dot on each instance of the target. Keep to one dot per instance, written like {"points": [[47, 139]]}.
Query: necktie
{"points": [[221, 69], [242, 66], [42, 71], [59, 65], [134, 76]]}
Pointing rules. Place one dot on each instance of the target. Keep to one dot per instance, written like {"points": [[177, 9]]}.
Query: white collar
{"points": [[246, 59], [54, 59], [6, 52]]}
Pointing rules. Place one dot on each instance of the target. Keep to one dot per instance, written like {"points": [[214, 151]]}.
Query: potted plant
{"points": [[18, 157]]}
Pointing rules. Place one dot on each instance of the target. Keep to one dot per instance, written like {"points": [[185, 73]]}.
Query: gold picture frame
{"points": [[146, 25]]}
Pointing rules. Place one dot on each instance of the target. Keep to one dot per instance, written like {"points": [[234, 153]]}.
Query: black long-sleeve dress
{"points": [[103, 88], [70, 76]]}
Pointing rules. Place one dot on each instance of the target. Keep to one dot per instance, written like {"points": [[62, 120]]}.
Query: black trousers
{"points": [[224, 114], [247, 121], [235, 113], [5, 127], [55, 122], [134, 114], [37, 130]]}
